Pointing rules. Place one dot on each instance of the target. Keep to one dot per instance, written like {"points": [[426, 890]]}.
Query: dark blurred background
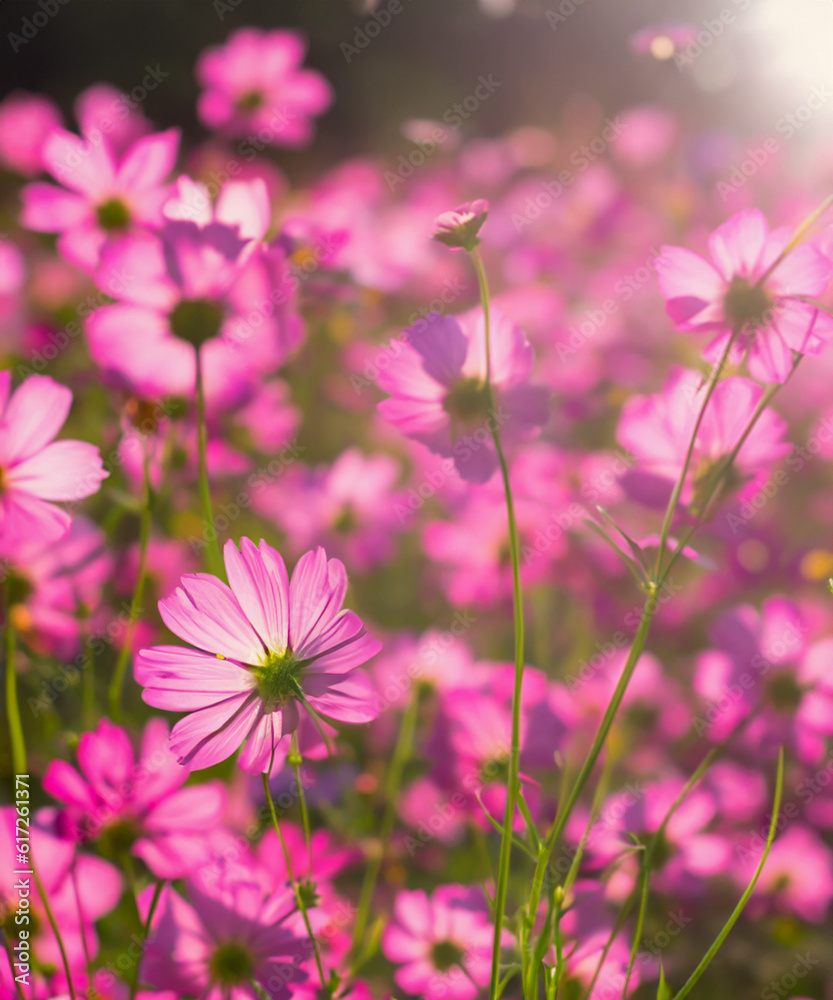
{"points": [[429, 56]]}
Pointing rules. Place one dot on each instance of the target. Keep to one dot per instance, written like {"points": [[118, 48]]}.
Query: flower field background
{"points": [[416, 500]]}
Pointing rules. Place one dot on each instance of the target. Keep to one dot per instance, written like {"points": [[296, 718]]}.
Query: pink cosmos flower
{"points": [[437, 381], [204, 280], [442, 944], [81, 889], [228, 934], [35, 470], [263, 645], [458, 229], [52, 587], [658, 428], [254, 84], [798, 875], [747, 288], [101, 197], [137, 806]]}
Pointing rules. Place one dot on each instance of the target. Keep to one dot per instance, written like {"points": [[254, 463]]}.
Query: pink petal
{"points": [[63, 470], [149, 161], [737, 245], [259, 581], [212, 734], [179, 679], [33, 416], [50, 209], [82, 166], [316, 594], [204, 612]]}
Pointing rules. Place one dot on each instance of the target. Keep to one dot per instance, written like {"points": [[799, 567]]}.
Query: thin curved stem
{"points": [[117, 683], [401, 755], [513, 782], [678, 486], [213, 556], [157, 893], [299, 899], [16, 739], [53, 923], [704, 963]]}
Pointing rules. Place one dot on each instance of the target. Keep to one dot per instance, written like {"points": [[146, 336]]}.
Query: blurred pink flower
{"points": [[263, 645], [349, 507], [442, 943], [136, 806], [102, 197], [748, 290], [35, 470], [437, 381], [25, 122], [204, 280], [228, 934], [657, 430], [255, 87]]}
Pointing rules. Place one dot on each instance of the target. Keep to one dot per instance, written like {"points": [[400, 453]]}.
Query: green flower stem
{"points": [[540, 877], [213, 556], [513, 783], [7, 945], [296, 760], [733, 919], [401, 755], [157, 893], [12, 706], [117, 682], [53, 923], [678, 486], [299, 899]]}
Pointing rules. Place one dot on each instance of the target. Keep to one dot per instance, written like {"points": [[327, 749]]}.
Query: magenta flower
{"points": [[745, 287], [80, 889], [137, 806], [204, 280], [232, 933], [437, 381], [442, 944], [658, 428], [101, 197], [458, 229], [263, 645], [35, 470], [254, 84]]}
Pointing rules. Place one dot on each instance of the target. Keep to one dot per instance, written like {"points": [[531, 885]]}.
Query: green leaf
{"points": [[733, 919], [663, 990]]}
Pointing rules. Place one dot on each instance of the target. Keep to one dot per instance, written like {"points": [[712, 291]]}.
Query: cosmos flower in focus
{"points": [[265, 646], [748, 290], [437, 381], [35, 470], [255, 84]]}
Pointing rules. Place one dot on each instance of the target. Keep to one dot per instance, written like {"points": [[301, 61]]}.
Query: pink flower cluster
{"points": [[259, 562]]}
